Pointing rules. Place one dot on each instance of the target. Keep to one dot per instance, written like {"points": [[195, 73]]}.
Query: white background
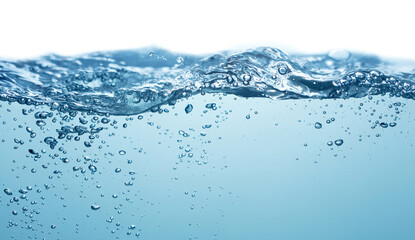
{"points": [[31, 28]]}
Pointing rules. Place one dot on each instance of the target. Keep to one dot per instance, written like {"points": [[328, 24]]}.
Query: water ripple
{"points": [[136, 81]]}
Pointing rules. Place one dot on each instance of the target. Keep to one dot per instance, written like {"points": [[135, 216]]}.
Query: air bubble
{"points": [[317, 125], [384, 125], [188, 108], [8, 191], [338, 142], [95, 207], [283, 69]]}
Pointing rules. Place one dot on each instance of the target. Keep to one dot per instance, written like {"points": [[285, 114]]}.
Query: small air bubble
{"points": [[339, 142], [318, 125], [188, 108], [282, 69], [95, 207]]}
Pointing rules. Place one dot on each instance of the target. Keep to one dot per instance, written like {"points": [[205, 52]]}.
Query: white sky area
{"points": [[33, 28]]}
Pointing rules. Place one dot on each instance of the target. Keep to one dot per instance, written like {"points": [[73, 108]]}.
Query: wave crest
{"points": [[135, 81]]}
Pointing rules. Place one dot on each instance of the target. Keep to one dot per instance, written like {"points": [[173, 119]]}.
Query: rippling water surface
{"points": [[254, 144]]}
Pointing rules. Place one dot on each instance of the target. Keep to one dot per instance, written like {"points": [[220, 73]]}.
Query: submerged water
{"points": [[256, 144]]}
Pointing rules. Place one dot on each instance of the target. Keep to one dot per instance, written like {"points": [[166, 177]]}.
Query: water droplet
{"points": [[318, 125], [117, 170], [179, 60], [338, 54]]}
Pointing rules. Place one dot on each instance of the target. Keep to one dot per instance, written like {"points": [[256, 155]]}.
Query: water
{"points": [[149, 144]]}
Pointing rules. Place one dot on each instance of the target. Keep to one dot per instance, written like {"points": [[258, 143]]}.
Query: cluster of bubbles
{"points": [[87, 129], [55, 128]]}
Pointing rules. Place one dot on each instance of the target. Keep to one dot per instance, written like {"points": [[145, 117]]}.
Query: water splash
{"points": [[136, 81]]}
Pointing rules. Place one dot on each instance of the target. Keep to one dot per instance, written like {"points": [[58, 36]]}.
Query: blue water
{"points": [[256, 144]]}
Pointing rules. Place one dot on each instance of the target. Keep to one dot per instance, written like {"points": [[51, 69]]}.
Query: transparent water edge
{"points": [[135, 81]]}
